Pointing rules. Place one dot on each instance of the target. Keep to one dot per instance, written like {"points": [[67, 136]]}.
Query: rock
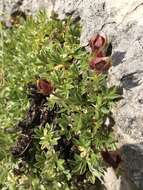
{"points": [[29, 7], [122, 22], [133, 165], [6, 5], [111, 181]]}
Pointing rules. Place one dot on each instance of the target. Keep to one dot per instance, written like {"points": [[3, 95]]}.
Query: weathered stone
{"points": [[27, 6], [132, 155]]}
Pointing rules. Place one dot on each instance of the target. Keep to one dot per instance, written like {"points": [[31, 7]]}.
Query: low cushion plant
{"points": [[55, 107]]}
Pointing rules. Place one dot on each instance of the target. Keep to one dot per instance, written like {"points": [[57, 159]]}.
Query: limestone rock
{"points": [[30, 7], [133, 165]]}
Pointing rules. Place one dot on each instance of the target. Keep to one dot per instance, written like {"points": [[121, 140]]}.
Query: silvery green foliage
{"points": [[122, 21], [65, 151]]}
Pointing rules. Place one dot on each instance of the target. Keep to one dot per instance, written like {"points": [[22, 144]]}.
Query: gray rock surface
{"points": [[28, 6], [122, 21], [133, 153]]}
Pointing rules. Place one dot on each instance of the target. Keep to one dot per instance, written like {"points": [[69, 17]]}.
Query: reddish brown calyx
{"points": [[45, 87], [98, 42], [100, 64], [112, 158]]}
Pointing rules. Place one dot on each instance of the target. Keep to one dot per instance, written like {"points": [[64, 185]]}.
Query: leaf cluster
{"points": [[68, 150]]}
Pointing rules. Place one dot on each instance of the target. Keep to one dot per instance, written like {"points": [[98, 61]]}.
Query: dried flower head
{"points": [[45, 87], [113, 158], [100, 64], [98, 42]]}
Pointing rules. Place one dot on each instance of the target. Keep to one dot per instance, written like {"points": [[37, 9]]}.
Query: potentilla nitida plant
{"points": [[60, 136]]}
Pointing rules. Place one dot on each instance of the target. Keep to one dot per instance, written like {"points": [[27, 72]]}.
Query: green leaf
{"points": [[68, 144]]}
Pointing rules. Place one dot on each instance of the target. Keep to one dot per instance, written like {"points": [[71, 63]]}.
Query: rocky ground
{"points": [[122, 22]]}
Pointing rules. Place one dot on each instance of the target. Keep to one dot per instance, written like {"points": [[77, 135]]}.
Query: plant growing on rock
{"points": [[58, 120]]}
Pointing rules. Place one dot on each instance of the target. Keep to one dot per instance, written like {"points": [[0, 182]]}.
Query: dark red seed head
{"points": [[100, 64], [45, 87], [112, 158], [98, 42]]}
